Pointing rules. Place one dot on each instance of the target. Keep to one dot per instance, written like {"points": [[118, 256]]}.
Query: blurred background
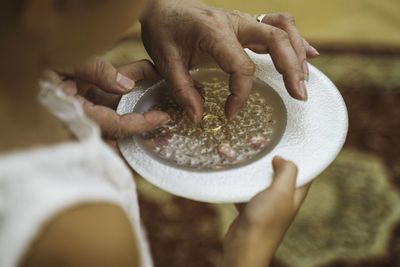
{"points": [[352, 214]]}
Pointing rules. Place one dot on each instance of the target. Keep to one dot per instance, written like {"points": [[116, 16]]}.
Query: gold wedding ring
{"points": [[260, 17], [211, 123]]}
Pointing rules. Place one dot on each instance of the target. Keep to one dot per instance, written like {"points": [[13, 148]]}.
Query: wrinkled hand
{"points": [[256, 233], [176, 32], [99, 87]]}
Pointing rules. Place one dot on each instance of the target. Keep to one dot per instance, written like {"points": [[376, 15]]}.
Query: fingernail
{"points": [[190, 112], [305, 70], [232, 106], [232, 116], [315, 51], [166, 120], [301, 89], [125, 82], [277, 157]]}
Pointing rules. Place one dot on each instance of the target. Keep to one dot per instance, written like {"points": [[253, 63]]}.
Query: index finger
{"points": [[115, 126], [230, 56], [285, 21], [276, 42], [183, 89], [139, 70], [172, 66]]}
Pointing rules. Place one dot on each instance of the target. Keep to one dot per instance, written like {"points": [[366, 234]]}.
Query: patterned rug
{"points": [[352, 214]]}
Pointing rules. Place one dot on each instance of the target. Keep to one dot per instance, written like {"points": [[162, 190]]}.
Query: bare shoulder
{"points": [[87, 235]]}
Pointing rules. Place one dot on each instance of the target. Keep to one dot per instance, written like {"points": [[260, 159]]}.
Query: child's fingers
{"points": [[114, 126], [96, 95], [140, 70], [285, 175], [103, 74], [135, 123], [240, 207], [300, 194]]}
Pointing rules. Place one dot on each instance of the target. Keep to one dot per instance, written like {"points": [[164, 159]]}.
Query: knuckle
{"points": [[286, 18], [212, 13], [116, 132], [146, 62], [178, 92], [247, 67], [253, 212], [235, 14], [216, 17], [278, 34], [281, 194], [100, 68], [290, 166], [146, 68], [252, 218]]}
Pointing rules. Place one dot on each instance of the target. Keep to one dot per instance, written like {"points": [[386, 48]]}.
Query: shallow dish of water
{"points": [[230, 161], [215, 143]]}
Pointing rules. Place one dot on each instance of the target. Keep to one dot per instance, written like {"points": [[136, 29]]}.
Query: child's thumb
{"points": [[101, 73], [285, 175]]}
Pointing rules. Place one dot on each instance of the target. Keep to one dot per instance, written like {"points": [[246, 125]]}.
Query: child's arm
{"points": [[97, 234], [257, 232]]}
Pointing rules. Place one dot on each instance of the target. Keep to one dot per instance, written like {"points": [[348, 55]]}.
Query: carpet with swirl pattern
{"points": [[352, 214]]}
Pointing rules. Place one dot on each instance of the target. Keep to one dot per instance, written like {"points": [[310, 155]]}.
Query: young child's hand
{"points": [[99, 86], [256, 233]]}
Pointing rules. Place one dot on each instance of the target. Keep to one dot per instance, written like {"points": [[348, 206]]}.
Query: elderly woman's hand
{"points": [[99, 86], [176, 32], [256, 233]]}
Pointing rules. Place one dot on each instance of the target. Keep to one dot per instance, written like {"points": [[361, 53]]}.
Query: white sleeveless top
{"points": [[38, 184]]}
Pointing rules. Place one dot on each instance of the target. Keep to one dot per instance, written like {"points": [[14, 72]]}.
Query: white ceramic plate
{"points": [[315, 133]]}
